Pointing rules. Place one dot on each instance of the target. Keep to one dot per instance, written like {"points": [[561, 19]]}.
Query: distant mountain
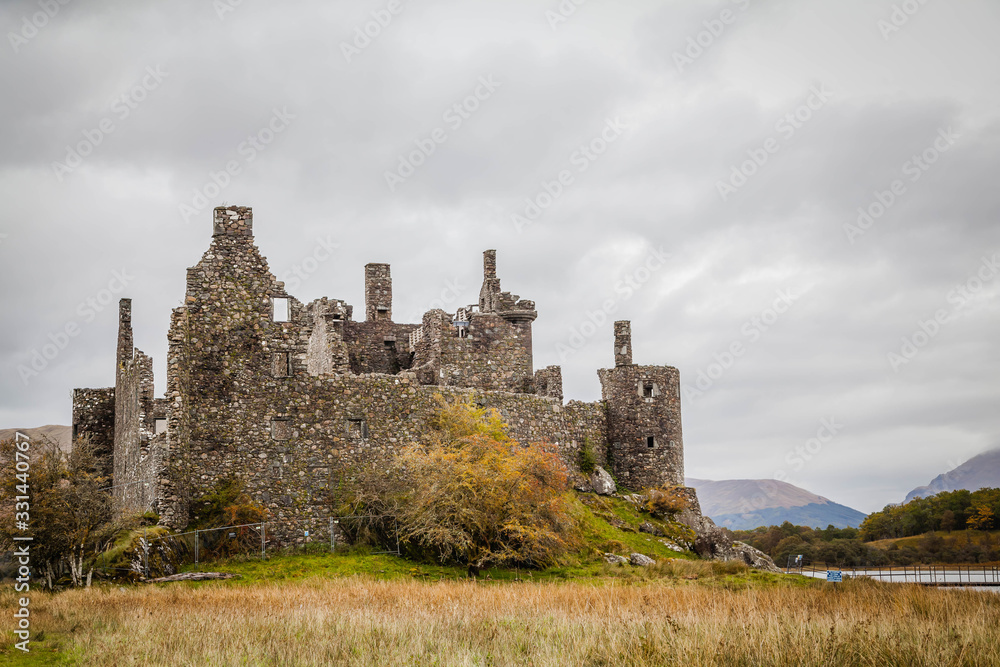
{"points": [[977, 472], [743, 504], [60, 434]]}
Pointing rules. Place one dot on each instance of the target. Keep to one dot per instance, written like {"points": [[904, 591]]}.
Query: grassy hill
{"points": [[961, 538], [62, 435], [606, 525]]}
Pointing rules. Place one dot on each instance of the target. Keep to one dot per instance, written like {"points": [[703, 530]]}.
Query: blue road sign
{"points": [[836, 576]]}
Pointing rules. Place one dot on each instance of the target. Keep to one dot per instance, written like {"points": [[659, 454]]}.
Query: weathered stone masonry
{"points": [[289, 397]]}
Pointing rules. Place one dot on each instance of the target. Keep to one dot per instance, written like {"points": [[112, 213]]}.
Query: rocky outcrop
{"points": [[712, 541], [158, 556], [649, 528], [640, 560]]}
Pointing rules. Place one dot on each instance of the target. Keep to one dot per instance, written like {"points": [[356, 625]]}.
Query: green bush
{"points": [[587, 459]]}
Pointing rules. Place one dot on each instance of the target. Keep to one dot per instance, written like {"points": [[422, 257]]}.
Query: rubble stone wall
{"points": [[94, 417], [135, 413]]}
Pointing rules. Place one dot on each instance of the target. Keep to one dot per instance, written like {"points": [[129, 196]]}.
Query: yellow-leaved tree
{"points": [[981, 519], [470, 494]]}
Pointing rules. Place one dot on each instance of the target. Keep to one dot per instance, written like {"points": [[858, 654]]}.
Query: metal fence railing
{"points": [[927, 575], [249, 540]]}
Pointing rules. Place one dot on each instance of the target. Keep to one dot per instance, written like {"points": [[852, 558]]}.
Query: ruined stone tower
{"points": [[644, 418]]}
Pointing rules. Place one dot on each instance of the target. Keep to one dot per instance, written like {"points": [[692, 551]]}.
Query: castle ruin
{"points": [[287, 397]]}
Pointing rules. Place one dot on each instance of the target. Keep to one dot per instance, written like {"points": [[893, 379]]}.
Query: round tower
{"points": [[643, 415]]}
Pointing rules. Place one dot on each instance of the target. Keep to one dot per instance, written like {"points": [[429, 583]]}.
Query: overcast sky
{"points": [[713, 159]]}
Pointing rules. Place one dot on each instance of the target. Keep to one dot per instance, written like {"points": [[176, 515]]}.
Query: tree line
{"points": [[965, 517], [947, 511]]}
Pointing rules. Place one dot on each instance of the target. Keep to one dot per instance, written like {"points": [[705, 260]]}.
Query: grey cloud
{"points": [[654, 186]]}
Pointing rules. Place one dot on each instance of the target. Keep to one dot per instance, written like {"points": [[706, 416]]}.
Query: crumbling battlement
{"points": [[290, 397]]}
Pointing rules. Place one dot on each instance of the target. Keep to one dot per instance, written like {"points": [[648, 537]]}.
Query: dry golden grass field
{"points": [[687, 613]]}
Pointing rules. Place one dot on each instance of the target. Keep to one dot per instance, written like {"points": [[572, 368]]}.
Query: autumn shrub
{"points": [[228, 505], [665, 502], [469, 493], [614, 547]]}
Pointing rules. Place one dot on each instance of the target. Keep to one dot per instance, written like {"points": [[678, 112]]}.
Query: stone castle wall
{"points": [[487, 354], [292, 444], [134, 458], [94, 417], [379, 346]]}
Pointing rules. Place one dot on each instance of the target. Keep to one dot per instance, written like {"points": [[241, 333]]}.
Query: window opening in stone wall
{"points": [[281, 429], [650, 441], [357, 428], [280, 309], [282, 364], [647, 390], [159, 425]]}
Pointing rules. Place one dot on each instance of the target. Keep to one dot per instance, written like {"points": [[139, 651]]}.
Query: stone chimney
{"points": [[124, 353], [623, 343], [489, 294], [233, 221], [378, 292]]}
